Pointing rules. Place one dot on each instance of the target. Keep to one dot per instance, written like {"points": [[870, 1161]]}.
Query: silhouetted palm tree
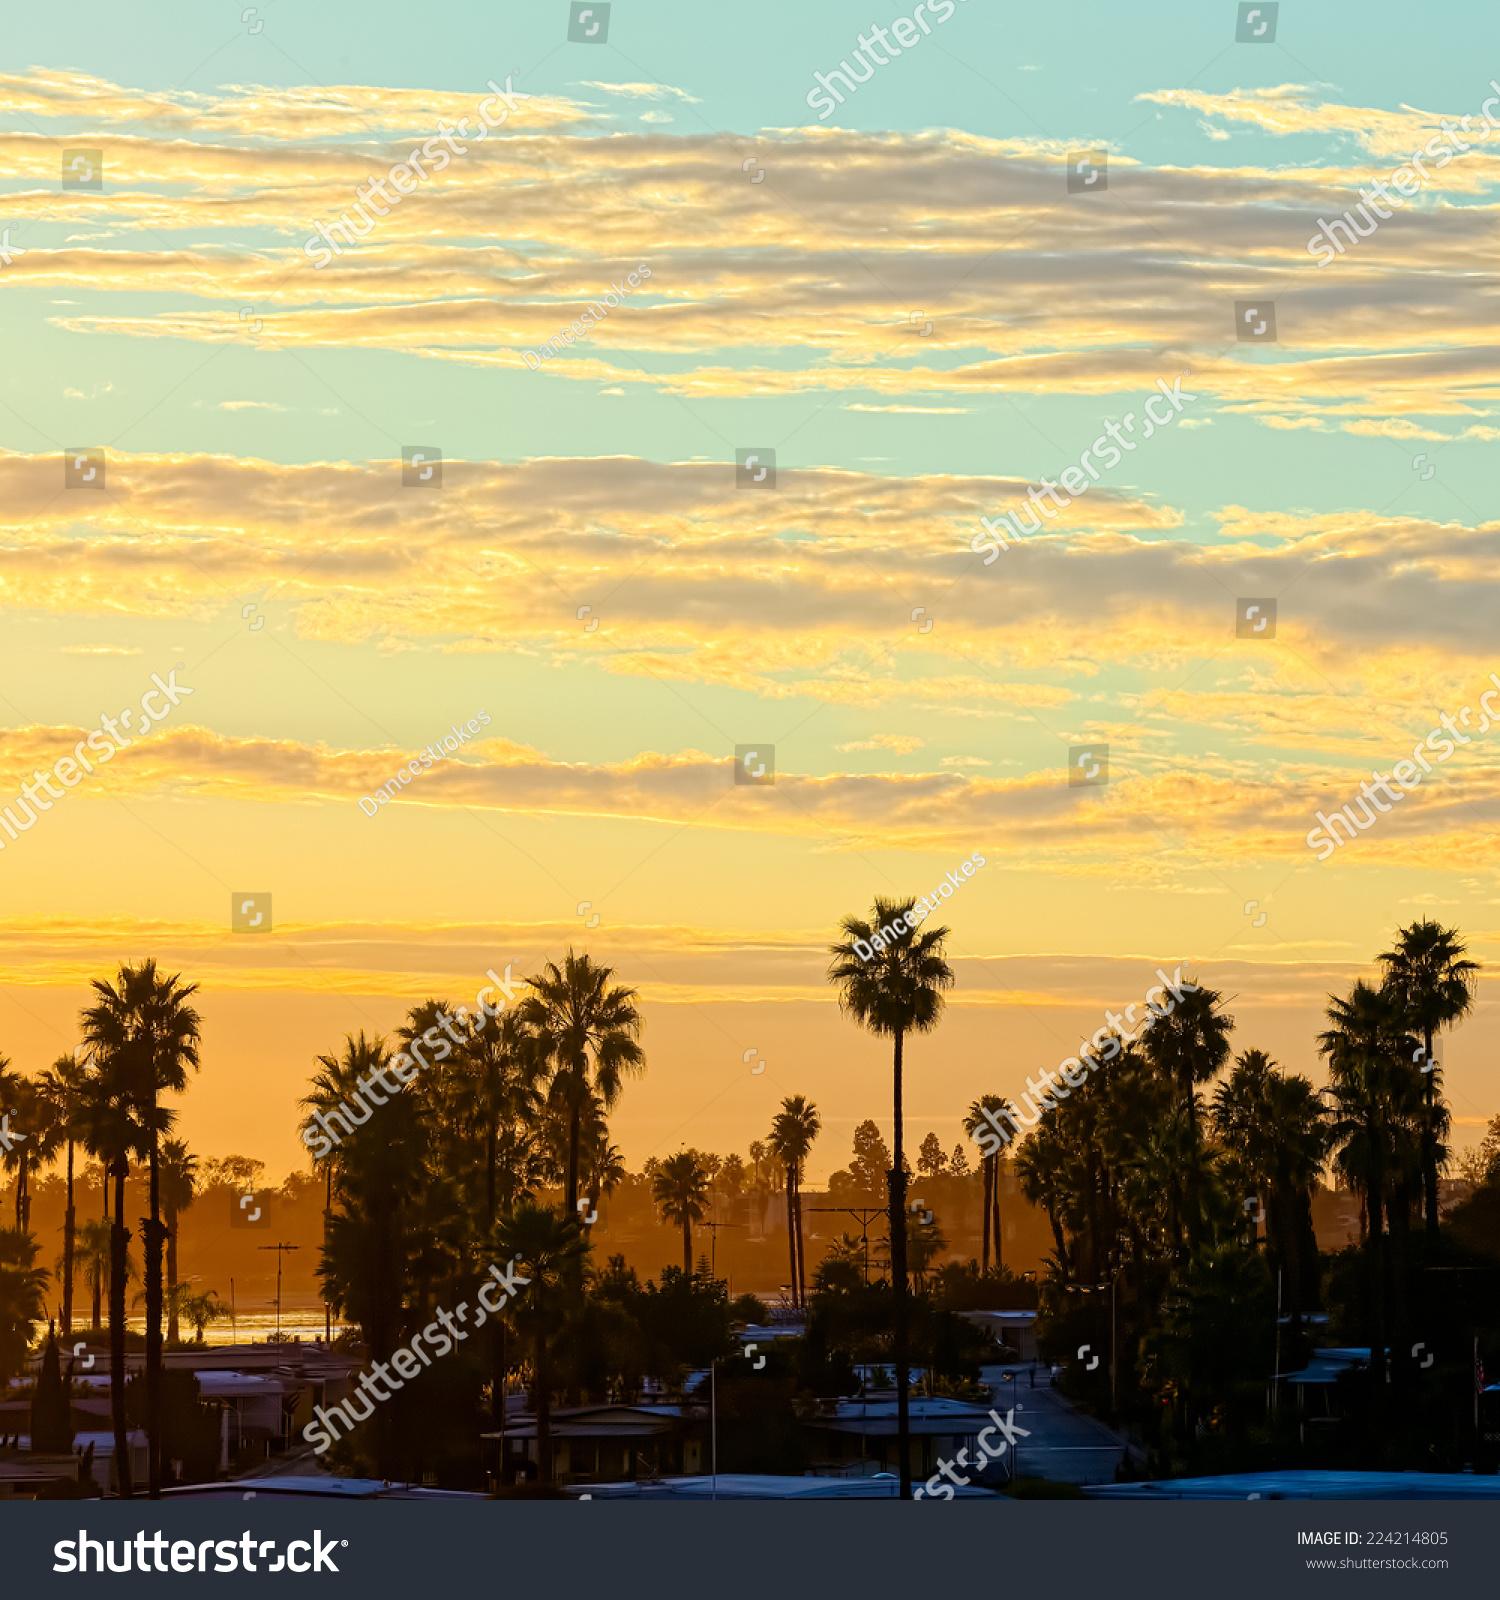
{"points": [[143, 1031], [897, 991], [179, 1173], [1374, 1094], [93, 1250], [34, 1134], [111, 1130], [22, 1288], [62, 1086], [990, 1170], [680, 1189], [1435, 984], [551, 1251], [588, 1033], [1189, 1046], [1277, 1129], [797, 1124]]}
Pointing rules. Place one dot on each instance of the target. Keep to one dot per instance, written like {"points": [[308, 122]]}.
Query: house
{"points": [[602, 1443], [1016, 1330], [858, 1437]]}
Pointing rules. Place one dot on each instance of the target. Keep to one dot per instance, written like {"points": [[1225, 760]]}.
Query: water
{"points": [[251, 1327]]}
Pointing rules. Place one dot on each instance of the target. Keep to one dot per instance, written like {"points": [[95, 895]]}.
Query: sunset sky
{"points": [[911, 311]]}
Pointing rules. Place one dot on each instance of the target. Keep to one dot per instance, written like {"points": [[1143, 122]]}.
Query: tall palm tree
{"points": [[551, 1251], [111, 1130], [589, 1035], [1189, 1046], [1435, 985], [797, 1124], [179, 1175], [680, 1189], [1278, 1130], [143, 1028], [1375, 1100], [62, 1085], [990, 1171], [897, 991], [498, 1071]]}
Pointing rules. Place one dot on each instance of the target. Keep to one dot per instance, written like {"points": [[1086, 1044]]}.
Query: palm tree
{"points": [[899, 990], [198, 1310], [989, 1166], [1435, 984], [498, 1071], [35, 1136], [62, 1086], [1375, 1100], [109, 1129], [680, 1189], [179, 1174], [1188, 1047], [797, 1124], [574, 1014], [22, 1285], [143, 1028], [1278, 1130], [549, 1252], [93, 1249]]}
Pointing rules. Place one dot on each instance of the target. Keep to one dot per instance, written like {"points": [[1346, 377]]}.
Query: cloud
{"points": [[902, 743], [646, 91]]}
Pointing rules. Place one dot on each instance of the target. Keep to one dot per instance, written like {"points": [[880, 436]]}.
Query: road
{"points": [[1062, 1443]]}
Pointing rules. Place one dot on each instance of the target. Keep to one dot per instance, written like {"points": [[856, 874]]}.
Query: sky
{"points": [[903, 306]]}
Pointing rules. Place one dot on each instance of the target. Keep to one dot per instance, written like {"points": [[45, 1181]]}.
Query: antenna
{"points": [[280, 1249]]}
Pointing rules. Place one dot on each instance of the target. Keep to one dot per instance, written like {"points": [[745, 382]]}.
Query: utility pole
{"points": [[280, 1250], [864, 1216]]}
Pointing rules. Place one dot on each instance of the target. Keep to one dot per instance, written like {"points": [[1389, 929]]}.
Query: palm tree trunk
{"points": [[70, 1221], [687, 1245], [1376, 1244], [987, 1173], [174, 1330], [998, 1174], [801, 1250], [791, 1236], [573, 1122], [1429, 1146], [154, 1232], [119, 1239], [898, 1283]]}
